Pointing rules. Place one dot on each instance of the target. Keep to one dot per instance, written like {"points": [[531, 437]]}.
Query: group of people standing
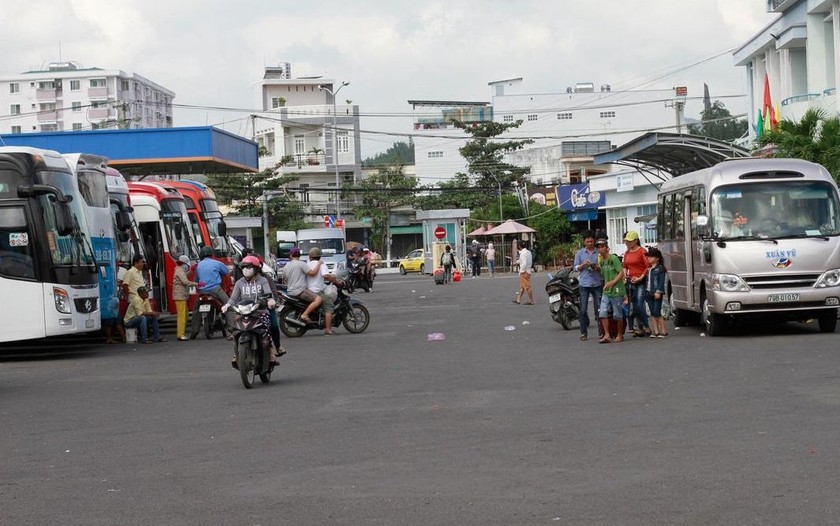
{"points": [[622, 290]]}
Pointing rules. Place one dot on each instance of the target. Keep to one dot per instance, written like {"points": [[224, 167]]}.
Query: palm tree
{"points": [[815, 138]]}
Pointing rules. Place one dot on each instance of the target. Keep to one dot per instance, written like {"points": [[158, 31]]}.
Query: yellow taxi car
{"points": [[413, 262]]}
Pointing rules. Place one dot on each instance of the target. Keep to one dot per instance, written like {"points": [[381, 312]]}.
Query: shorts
{"points": [[328, 305], [655, 306], [525, 280], [307, 295], [617, 304]]}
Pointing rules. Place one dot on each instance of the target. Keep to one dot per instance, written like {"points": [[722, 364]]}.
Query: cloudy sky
{"points": [[212, 52]]}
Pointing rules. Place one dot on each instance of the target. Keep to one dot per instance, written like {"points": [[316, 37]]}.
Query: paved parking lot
{"points": [[488, 426]]}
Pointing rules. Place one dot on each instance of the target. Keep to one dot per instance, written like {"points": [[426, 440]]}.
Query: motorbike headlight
{"points": [[62, 300], [729, 283], [829, 278]]}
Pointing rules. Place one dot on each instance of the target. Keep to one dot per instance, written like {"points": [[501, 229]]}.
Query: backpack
{"points": [[446, 259]]}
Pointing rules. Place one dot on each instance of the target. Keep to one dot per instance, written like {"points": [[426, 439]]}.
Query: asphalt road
{"points": [[489, 426]]}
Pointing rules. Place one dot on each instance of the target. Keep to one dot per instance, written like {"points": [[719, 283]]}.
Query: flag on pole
{"points": [[759, 125], [770, 118]]}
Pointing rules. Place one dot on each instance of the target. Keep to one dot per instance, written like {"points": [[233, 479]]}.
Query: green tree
{"points": [[399, 153], [380, 193], [717, 123], [552, 230], [815, 138]]}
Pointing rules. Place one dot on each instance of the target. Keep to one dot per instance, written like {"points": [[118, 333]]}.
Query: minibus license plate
{"points": [[554, 297], [782, 298], [206, 307]]}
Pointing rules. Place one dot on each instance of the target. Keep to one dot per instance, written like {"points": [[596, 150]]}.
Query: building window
{"points": [[75, 85], [77, 126], [15, 129], [435, 155], [532, 117], [14, 109], [616, 224], [342, 142], [300, 146], [647, 230], [507, 118], [49, 127], [564, 116], [124, 85], [607, 114], [47, 106], [14, 87], [77, 106], [46, 85], [97, 83], [278, 102]]}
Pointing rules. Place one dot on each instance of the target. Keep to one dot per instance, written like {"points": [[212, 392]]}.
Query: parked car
{"points": [[413, 262]]}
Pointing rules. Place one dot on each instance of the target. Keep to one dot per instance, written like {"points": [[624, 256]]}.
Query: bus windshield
{"points": [[176, 225], [128, 244], [73, 249], [774, 209], [213, 217]]}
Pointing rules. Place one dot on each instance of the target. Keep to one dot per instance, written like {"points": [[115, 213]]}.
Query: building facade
{"points": [[302, 124], [67, 97], [799, 54]]}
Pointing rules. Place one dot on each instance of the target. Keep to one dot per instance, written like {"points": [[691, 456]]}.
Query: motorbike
{"points": [[251, 342], [210, 310], [359, 278], [347, 311], [563, 292]]}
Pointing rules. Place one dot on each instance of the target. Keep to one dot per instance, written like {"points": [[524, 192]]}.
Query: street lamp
{"points": [[499, 184], [335, 146]]}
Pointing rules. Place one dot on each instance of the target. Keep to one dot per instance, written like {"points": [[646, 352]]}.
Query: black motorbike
{"points": [[359, 277], [251, 342], [210, 310], [563, 292], [347, 311]]}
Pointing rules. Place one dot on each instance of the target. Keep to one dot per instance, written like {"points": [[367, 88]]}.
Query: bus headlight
{"points": [[62, 300], [728, 283], [830, 278]]}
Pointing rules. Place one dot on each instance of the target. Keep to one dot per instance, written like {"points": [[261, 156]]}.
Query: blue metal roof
{"points": [[190, 150]]}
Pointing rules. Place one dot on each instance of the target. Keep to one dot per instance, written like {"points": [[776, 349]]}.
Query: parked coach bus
{"points": [[48, 273], [752, 237], [164, 225], [129, 241]]}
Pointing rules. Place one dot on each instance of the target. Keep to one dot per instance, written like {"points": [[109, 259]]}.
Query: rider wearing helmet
{"points": [[248, 289], [208, 274]]}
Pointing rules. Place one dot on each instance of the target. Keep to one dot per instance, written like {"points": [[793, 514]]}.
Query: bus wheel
{"points": [[712, 323], [828, 321], [681, 317]]}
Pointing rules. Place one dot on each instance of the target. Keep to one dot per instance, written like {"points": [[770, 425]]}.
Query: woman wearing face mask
{"points": [[248, 289], [180, 293]]}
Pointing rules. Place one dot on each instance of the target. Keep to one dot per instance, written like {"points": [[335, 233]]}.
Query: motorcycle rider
{"points": [[591, 282], [296, 273], [248, 289], [317, 284], [208, 274]]}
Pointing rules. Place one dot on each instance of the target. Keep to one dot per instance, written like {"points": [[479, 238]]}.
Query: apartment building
{"points": [[66, 96], [798, 54], [301, 121]]}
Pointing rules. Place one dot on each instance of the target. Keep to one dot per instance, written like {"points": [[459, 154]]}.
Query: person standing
{"points": [[613, 298], [209, 274], [133, 279], [490, 254], [526, 262], [181, 285], [447, 261], [635, 268], [655, 291], [475, 258], [591, 283], [140, 315]]}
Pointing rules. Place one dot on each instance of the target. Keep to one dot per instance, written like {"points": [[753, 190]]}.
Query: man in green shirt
{"points": [[614, 293]]}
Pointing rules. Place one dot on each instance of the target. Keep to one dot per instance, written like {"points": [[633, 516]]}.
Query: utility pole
{"points": [[335, 146]]}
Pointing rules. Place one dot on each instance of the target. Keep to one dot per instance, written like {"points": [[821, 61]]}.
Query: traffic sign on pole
{"points": [[327, 221], [440, 232]]}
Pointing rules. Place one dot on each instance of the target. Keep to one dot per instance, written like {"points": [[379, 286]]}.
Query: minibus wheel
{"points": [[713, 323]]}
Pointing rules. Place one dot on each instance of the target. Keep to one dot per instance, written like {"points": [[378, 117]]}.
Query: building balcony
{"points": [[97, 93], [101, 113], [46, 94], [47, 117], [793, 108]]}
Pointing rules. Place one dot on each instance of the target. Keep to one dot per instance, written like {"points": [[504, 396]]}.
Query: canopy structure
{"points": [[673, 153], [480, 231], [510, 227]]}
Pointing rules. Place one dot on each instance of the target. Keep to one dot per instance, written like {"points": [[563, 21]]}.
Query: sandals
{"points": [[515, 302], [583, 337], [663, 335], [605, 339]]}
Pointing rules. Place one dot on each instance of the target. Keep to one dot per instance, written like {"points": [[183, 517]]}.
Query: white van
{"points": [[332, 243]]}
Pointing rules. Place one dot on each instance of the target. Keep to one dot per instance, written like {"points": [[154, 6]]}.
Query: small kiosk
{"points": [[441, 228]]}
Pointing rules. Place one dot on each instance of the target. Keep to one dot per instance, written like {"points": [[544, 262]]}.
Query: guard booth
{"points": [[441, 228]]}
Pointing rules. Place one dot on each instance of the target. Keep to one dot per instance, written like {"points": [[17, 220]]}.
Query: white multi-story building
{"points": [[799, 53], [298, 119], [66, 96]]}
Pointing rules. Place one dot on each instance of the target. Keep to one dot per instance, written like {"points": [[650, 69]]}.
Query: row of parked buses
{"points": [[67, 225]]}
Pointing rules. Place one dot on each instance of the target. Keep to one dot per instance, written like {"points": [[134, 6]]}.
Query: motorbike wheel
{"points": [[563, 319], [266, 376], [291, 331], [247, 363], [209, 321], [357, 319]]}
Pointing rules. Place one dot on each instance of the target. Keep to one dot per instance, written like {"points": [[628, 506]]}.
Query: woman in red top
{"points": [[635, 268]]}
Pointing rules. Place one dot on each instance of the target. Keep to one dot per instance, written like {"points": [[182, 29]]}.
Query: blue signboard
{"points": [[585, 215], [579, 197]]}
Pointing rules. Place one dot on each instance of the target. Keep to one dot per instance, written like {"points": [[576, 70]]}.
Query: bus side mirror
{"points": [[703, 226], [123, 220], [64, 219], [222, 229], [123, 237]]}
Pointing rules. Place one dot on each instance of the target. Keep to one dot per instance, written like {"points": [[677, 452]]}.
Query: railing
{"points": [[47, 116], [98, 93], [800, 98], [830, 92]]}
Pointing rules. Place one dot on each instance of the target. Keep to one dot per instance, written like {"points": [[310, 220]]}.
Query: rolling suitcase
{"points": [[438, 274]]}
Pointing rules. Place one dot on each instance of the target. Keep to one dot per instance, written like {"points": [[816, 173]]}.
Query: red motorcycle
{"points": [[210, 310]]}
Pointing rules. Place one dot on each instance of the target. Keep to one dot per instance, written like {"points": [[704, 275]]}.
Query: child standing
{"points": [[614, 291], [655, 291]]}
